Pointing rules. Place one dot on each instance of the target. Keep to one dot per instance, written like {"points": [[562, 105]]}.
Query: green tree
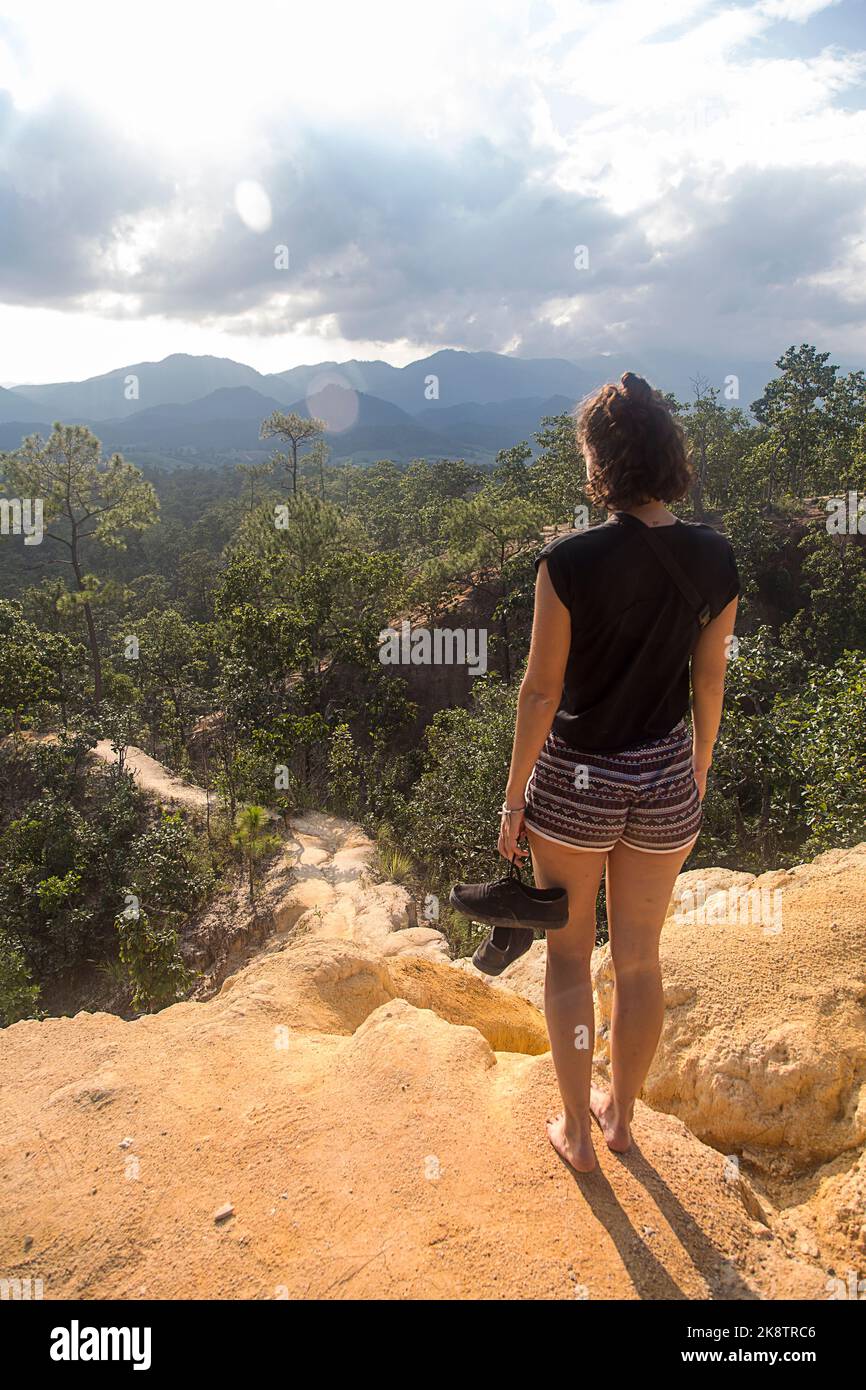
{"points": [[315, 465], [792, 411], [23, 676], [718, 437], [451, 816], [164, 867], [833, 616], [295, 430], [436, 481], [843, 463], [252, 473], [788, 770], [374, 497], [344, 777], [86, 499], [254, 838], [511, 476], [286, 539], [824, 722], [488, 538], [559, 470], [18, 993], [167, 672], [151, 959]]}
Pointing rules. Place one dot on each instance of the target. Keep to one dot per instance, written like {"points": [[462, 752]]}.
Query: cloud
{"points": [[67, 188], [713, 177]]}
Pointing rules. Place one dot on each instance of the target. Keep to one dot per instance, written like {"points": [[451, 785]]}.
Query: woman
{"points": [[617, 782]]}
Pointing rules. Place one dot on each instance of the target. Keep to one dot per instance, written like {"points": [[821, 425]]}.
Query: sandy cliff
{"points": [[373, 1116]]}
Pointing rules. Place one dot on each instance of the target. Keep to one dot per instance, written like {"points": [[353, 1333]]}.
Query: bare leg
{"points": [[568, 1004], [639, 888]]}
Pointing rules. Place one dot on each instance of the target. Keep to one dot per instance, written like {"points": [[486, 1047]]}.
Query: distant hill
{"points": [[360, 427], [228, 420], [229, 417], [482, 402], [15, 406], [13, 431], [177, 379], [497, 425], [461, 378]]}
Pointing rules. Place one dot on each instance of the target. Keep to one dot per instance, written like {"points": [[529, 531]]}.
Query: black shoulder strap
{"points": [[677, 573]]}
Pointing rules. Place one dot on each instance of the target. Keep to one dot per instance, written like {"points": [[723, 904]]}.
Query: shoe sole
{"points": [[509, 922], [486, 970]]}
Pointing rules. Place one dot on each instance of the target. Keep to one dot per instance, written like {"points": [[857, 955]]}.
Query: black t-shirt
{"points": [[632, 632]]}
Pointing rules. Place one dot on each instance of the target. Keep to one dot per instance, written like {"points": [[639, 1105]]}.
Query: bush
{"points": [[18, 994], [73, 836], [451, 820], [788, 771], [165, 867], [150, 955], [344, 773]]}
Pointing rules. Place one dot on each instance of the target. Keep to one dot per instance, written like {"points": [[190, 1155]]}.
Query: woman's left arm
{"points": [[540, 695]]}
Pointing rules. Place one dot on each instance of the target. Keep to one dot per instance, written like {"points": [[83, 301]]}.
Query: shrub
{"points": [[150, 955], [18, 993]]}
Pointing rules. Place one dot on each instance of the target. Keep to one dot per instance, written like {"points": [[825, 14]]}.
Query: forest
{"points": [[228, 622]]}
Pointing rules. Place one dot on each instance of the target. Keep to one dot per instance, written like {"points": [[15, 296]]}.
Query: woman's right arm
{"points": [[709, 660]]}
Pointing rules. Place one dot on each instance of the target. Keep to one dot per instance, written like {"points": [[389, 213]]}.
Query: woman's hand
{"points": [[510, 830], [701, 763]]}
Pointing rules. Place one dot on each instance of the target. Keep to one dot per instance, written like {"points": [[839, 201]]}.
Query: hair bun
{"points": [[636, 388]]}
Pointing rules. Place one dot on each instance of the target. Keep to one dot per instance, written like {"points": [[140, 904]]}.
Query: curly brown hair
{"points": [[639, 451]]}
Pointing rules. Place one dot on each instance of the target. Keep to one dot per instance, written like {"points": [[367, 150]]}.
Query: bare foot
{"points": [[615, 1128], [576, 1149]]}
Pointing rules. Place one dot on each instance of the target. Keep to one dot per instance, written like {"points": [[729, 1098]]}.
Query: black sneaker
{"points": [[507, 902], [503, 946]]}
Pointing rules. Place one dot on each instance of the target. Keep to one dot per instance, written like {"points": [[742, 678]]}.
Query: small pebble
{"points": [[224, 1213]]}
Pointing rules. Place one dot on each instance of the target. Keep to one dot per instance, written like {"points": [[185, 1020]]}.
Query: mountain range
{"points": [[450, 404]]}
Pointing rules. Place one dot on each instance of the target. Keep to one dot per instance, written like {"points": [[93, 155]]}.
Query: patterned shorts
{"points": [[646, 797]]}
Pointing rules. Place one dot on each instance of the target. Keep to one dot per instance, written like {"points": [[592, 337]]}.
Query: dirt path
{"points": [[153, 777]]}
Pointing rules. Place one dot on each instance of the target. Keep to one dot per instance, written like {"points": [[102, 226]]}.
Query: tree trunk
{"points": [[698, 490], [95, 659], [206, 791], [505, 648], [93, 642], [766, 795]]}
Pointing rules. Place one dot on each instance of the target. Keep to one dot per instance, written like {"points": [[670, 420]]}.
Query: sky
{"points": [[283, 183]]}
